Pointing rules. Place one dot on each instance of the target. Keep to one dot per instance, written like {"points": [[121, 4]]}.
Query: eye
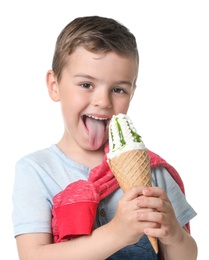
{"points": [[119, 90], [86, 85]]}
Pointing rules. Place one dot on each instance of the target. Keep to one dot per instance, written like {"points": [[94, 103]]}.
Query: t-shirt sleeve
{"points": [[31, 205], [183, 210]]}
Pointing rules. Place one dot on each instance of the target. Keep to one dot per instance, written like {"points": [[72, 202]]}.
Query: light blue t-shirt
{"points": [[41, 175]]}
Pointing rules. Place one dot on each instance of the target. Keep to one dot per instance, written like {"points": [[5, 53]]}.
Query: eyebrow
{"points": [[122, 82], [84, 76]]}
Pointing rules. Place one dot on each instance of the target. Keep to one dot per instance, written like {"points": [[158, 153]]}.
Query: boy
{"points": [[93, 76]]}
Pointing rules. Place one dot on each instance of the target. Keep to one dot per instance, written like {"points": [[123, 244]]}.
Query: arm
{"points": [[183, 248], [175, 241], [103, 242]]}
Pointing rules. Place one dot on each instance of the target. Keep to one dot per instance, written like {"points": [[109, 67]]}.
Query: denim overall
{"points": [[141, 250]]}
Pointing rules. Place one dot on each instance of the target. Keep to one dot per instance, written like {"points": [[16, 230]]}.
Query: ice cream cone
{"points": [[133, 168], [128, 157]]}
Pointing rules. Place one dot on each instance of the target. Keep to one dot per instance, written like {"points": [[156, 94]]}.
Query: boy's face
{"points": [[93, 87]]}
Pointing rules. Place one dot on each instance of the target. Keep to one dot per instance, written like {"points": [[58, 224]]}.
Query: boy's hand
{"points": [[127, 221], [167, 229]]}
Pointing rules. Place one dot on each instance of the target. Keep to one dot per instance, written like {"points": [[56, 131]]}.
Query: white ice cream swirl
{"points": [[123, 136]]}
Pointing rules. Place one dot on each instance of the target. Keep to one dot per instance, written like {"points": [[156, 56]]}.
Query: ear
{"points": [[52, 86]]}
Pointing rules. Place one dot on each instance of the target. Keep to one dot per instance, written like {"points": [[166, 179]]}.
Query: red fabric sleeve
{"points": [[75, 219], [74, 210]]}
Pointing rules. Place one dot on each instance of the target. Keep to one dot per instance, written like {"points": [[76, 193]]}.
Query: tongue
{"points": [[96, 129]]}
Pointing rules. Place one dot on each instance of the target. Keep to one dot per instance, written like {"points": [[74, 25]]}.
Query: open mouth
{"points": [[105, 121], [96, 128]]}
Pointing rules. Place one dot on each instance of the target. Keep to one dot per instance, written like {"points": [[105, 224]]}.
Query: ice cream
{"points": [[128, 157]]}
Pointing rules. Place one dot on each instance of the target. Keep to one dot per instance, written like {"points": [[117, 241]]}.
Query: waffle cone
{"points": [[133, 168]]}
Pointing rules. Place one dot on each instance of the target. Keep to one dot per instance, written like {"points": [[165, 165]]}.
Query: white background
{"points": [[169, 109]]}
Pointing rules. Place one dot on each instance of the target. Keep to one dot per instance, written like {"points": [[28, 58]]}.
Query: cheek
{"points": [[122, 106], [69, 98], [72, 104]]}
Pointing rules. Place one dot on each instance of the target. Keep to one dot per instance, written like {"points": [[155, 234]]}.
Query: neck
{"points": [[89, 158]]}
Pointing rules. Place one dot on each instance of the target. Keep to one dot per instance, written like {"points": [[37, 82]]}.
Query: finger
{"points": [[154, 232], [150, 202], [154, 192], [150, 216], [144, 217], [133, 192]]}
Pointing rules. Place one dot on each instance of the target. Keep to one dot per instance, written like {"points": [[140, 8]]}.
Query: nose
{"points": [[102, 98]]}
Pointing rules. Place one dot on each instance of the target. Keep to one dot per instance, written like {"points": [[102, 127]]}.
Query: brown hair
{"points": [[96, 34]]}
